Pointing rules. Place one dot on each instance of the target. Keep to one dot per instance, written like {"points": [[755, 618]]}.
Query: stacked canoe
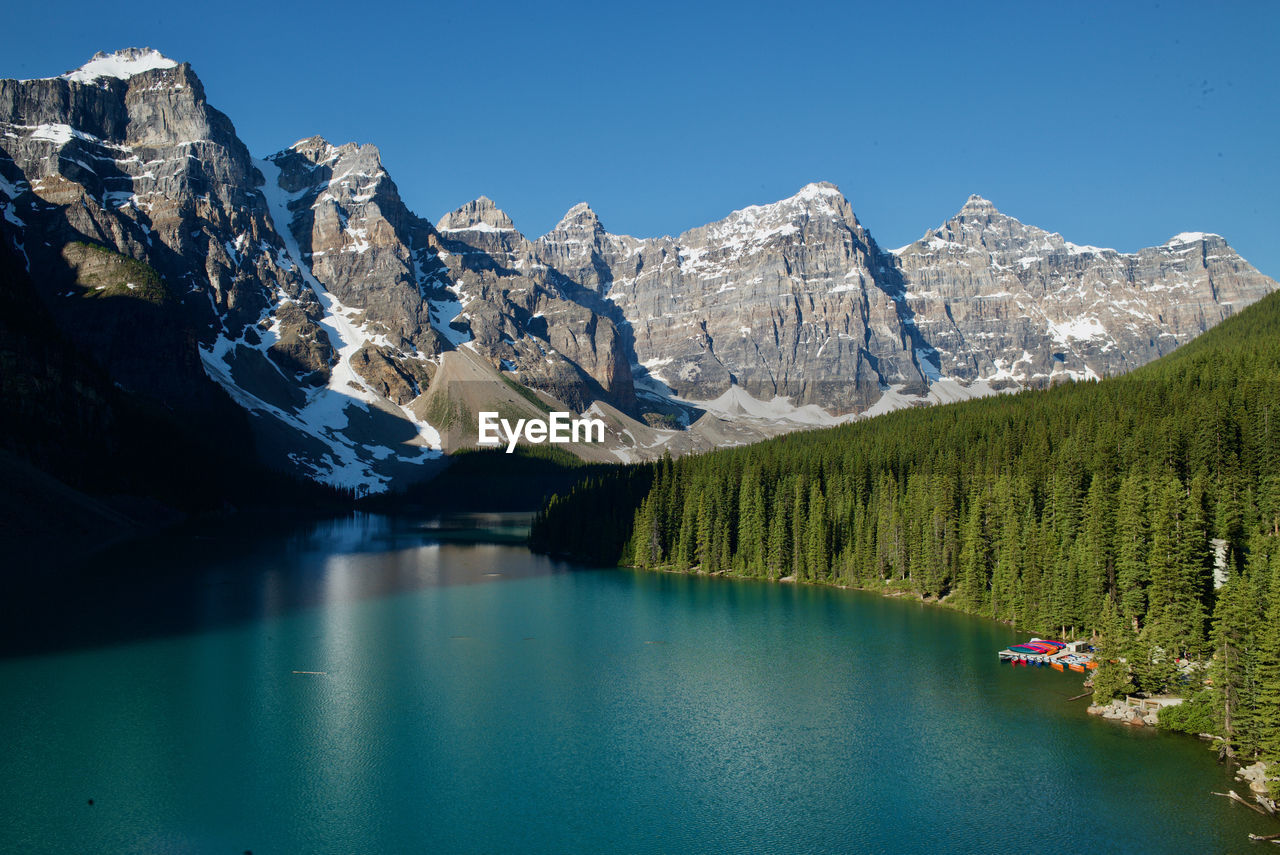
{"points": [[1046, 651], [1040, 646]]}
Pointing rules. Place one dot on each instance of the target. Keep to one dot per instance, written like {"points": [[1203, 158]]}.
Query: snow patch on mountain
{"points": [[121, 65], [736, 403], [327, 411], [1085, 249], [1189, 237], [1076, 329], [759, 223], [443, 312], [478, 227]]}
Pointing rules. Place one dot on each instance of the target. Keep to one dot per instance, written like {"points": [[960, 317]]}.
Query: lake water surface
{"points": [[370, 686]]}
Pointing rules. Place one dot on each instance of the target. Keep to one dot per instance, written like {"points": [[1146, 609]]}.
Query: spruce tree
{"points": [[751, 523], [1132, 570], [1111, 677], [799, 520], [1267, 705], [1234, 623], [817, 559]]}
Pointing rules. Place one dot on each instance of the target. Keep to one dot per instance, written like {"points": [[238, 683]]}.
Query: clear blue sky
{"points": [[1115, 123]]}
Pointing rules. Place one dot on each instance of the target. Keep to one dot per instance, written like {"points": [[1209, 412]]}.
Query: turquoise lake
{"points": [[364, 685]]}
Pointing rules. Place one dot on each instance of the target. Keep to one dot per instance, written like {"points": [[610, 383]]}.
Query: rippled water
{"points": [[472, 697]]}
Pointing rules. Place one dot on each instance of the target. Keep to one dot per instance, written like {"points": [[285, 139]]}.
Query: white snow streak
{"points": [[325, 412]]}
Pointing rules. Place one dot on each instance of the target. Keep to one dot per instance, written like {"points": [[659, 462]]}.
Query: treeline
{"points": [[490, 480], [1089, 508]]}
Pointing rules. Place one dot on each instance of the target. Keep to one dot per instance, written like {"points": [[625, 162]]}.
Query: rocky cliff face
{"points": [[528, 315], [1002, 301], [303, 285], [789, 300], [300, 283], [369, 254], [795, 300], [126, 155], [360, 240]]}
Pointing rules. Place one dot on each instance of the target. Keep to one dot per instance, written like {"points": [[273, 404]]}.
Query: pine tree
{"points": [[647, 538], [816, 554], [1111, 677], [1097, 545], [975, 558], [1267, 705], [1132, 571], [1268, 433], [687, 542], [1014, 515], [1234, 623], [1175, 620], [705, 550], [779, 545], [751, 524]]}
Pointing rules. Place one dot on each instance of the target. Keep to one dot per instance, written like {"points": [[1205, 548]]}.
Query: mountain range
{"points": [[361, 339]]}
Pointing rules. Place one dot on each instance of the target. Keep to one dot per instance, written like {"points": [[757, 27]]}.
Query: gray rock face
{"points": [[529, 316], [482, 216], [792, 299], [127, 153], [1000, 300], [795, 299], [360, 241], [316, 298]]}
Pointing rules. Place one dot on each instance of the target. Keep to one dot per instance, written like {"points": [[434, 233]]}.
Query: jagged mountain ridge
{"points": [[307, 289], [790, 300], [984, 277], [795, 299], [299, 283]]}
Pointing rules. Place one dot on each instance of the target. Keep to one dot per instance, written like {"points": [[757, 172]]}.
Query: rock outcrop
{"points": [[1123, 713], [1263, 785], [361, 242]]}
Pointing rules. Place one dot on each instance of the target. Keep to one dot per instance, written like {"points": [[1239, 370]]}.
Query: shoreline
{"points": [[1253, 775]]}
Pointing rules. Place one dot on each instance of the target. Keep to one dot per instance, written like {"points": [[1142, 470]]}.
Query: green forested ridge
{"points": [[1089, 508]]}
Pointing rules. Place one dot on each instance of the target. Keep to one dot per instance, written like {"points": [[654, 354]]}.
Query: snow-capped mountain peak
{"points": [[756, 224], [814, 196]]}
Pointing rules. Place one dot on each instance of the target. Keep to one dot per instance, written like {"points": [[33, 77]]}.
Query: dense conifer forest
{"points": [[1094, 509]]}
